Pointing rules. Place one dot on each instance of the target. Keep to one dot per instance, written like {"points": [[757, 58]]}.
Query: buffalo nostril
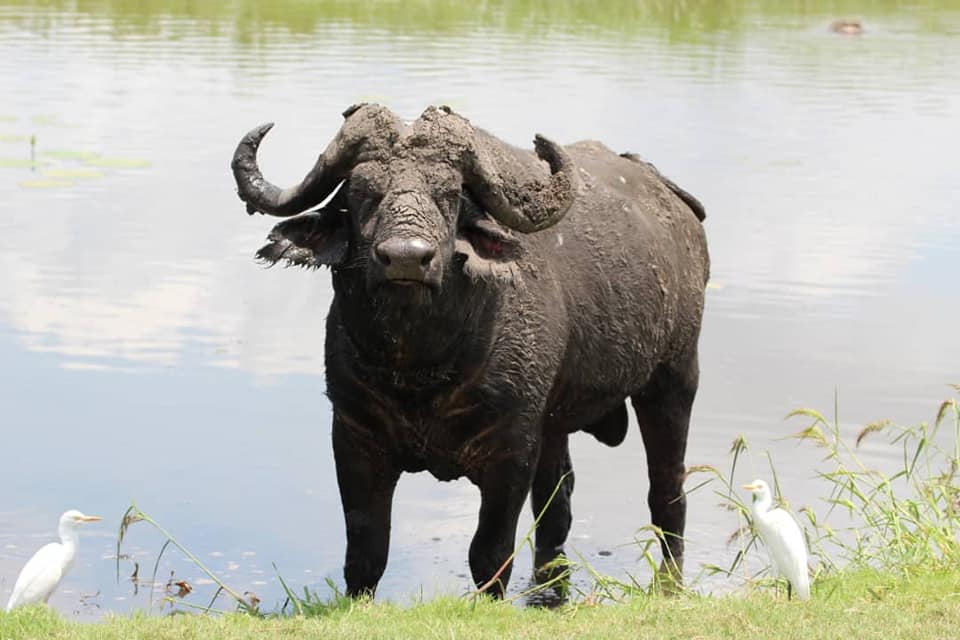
{"points": [[382, 254], [427, 257], [406, 257]]}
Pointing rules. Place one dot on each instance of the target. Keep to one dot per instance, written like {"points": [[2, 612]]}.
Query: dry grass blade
{"points": [[130, 516], [873, 427], [739, 445], [701, 468], [810, 413], [814, 433], [942, 412]]}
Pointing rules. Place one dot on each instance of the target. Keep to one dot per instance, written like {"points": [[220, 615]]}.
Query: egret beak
{"points": [[89, 518], [750, 487]]}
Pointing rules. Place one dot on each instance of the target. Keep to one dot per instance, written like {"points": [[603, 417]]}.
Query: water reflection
{"points": [[249, 21], [146, 355]]}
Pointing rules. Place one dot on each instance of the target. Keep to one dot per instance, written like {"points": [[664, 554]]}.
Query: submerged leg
{"points": [[504, 486], [367, 478], [663, 412], [554, 473]]}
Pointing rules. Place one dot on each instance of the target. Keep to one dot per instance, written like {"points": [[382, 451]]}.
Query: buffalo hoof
{"points": [[550, 566], [669, 578], [551, 579]]}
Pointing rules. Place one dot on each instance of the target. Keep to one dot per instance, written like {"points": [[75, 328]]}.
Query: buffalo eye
{"points": [[485, 245], [486, 237]]}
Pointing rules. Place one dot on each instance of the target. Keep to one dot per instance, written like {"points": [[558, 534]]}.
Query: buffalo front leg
{"points": [[550, 499], [503, 489], [663, 412], [367, 477]]}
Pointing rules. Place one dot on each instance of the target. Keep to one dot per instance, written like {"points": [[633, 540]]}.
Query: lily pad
{"points": [[51, 183], [13, 137], [18, 163], [72, 172], [117, 163], [65, 154]]}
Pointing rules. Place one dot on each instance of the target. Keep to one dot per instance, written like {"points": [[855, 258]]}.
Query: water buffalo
{"points": [[488, 302]]}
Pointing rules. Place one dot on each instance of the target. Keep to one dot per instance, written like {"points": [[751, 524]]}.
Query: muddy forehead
{"points": [[406, 173]]}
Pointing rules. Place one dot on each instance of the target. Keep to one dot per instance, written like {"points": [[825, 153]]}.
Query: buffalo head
{"points": [[415, 199]]}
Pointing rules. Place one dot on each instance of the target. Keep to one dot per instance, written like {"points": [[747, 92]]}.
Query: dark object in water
{"points": [[847, 27]]}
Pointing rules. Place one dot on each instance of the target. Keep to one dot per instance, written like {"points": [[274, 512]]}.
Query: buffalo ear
{"points": [[311, 239]]}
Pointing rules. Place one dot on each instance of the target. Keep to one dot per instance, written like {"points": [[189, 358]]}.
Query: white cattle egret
{"points": [[43, 572], [782, 536]]}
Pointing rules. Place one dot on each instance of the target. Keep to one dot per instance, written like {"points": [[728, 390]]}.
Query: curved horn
{"points": [[515, 195], [370, 124], [262, 195]]}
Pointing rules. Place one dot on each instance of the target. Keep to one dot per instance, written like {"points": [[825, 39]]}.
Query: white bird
{"points": [[40, 576], [782, 536]]}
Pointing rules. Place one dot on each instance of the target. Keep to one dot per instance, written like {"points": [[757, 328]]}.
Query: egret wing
{"points": [[39, 577], [788, 534], [788, 550]]}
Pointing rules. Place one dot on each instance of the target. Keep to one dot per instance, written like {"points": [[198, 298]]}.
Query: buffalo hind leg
{"points": [[503, 489], [663, 412], [367, 479], [554, 473]]}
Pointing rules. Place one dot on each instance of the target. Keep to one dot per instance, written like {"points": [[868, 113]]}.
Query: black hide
{"points": [[459, 344]]}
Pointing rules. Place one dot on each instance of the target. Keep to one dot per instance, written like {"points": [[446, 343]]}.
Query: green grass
{"points": [[860, 605]]}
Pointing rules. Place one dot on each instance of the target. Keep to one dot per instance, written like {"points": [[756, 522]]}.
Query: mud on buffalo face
{"points": [[404, 212], [417, 200]]}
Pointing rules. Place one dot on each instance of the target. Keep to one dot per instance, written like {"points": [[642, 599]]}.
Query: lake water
{"points": [[145, 356]]}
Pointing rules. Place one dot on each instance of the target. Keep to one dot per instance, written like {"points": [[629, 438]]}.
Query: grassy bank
{"points": [[861, 605]]}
